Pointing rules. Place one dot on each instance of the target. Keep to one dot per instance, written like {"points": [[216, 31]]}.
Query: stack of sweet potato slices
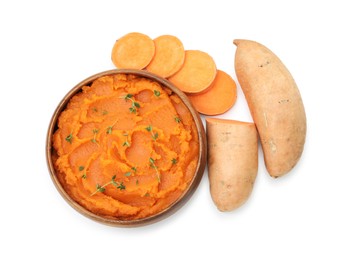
{"points": [[210, 90]]}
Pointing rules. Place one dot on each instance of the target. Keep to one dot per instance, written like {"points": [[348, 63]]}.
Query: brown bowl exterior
{"points": [[162, 214]]}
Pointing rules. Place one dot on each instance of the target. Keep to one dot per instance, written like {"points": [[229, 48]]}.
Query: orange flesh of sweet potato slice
{"points": [[169, 56], [197, 73], [133, 51], [219, 98]]}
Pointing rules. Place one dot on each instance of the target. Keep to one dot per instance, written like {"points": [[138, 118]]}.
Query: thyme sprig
{"points": [[134, 105], [95, 132], [126, 143], [154, 135], [82, 168], [109, 129], [69, 138], [154, 166], [101, 188]]}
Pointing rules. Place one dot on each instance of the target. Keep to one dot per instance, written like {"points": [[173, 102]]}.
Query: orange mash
{"points": [[125, 147]]}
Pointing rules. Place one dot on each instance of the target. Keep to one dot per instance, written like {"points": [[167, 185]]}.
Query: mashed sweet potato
{"points": [[125, 147]]}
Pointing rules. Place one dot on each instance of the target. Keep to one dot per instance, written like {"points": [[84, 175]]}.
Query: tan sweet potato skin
{"points": [[275, 104], [232, 161]]}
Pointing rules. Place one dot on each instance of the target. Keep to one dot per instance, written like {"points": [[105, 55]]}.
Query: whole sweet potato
{"points": [[275, 104]]}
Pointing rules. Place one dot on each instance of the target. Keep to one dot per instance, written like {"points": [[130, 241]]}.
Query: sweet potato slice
{"points": [[219, 98], [232, 161], [133, 51], [169, 56], [197, 73]]}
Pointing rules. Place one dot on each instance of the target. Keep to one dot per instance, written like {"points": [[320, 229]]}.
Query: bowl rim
{"points": [[172, 208]]}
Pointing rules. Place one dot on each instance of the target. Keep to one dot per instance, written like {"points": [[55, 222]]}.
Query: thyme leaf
{"points": [[109, 130], [69, 138], [156, 93], [95, 132]]}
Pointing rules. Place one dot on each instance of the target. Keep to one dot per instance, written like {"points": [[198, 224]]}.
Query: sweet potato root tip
{"points": [[197, 73], [169, 56], [219, 98], [232, 161], [236, 42], [133, 51]]}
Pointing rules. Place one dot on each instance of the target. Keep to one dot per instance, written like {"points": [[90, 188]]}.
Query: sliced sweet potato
{"points": [[197, 73], [133, 51], [219, 98], [169, 56]]}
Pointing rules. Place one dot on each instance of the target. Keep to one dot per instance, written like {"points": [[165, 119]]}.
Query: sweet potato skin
{"points": [[275, 104], [232, 161]]}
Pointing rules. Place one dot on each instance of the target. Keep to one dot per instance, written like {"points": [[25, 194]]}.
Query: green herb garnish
{"points": [[69, 138], [109, 130], [128, 97], [154, 135], [174, 161], [134, 169], [119, 186], [134, 104], [81, 168], [156, 93], [101, 188], [126, 143], [152, 163], [95, 132], [154, 166]]}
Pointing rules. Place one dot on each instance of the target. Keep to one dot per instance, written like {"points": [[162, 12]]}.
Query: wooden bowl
{"points": [[160, 215]]}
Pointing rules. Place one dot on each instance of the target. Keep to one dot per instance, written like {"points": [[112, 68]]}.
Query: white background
{"points": [[47, 47]]}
